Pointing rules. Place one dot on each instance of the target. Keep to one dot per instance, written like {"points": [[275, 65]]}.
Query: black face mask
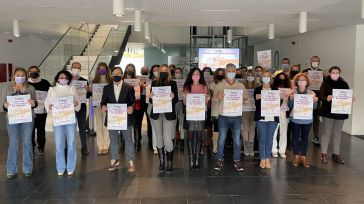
{"points": [[117, 78], [238, 76], [163, 75], [144, 73], [34, 75], [294, 73], [281, 81], [220, 77], [129, 73]]}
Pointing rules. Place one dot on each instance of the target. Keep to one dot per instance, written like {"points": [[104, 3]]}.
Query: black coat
{"points": [[172, 115], [127, 96], [325, 90]]}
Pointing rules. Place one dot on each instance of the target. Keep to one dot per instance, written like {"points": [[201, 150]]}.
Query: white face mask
{"points": [[266, 80], [314, 64], [250, 78], [178, 75], [75, 72], [155, 74]]}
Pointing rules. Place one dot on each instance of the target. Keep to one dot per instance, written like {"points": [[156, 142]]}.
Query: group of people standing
{"points": [[166, 129]]}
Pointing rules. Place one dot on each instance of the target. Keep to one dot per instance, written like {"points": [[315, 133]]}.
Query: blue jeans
{"points": [[14, 132], [266, 131], [234, 124], [114, 144], [303, 131], [61, 134]]}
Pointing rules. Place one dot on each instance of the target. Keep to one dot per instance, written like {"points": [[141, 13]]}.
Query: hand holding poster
{"points": [[180, 83], [19, 110], [265, 59], [250, 106], [162, 101], [81, 90], [316, 78], [41, 96], [63, 111], [233, 102], [117, 116], [97, 90], [270, 103], [195, 107], [303, 107], [342, 100]]}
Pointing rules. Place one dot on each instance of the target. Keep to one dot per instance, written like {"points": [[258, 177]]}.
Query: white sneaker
{"points": [[275, 154], [70, 173], [114, 165], [155, 152], [60, 173], [282, 155]]}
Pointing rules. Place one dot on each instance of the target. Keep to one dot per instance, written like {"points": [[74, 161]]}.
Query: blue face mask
{"points": [[231, 75], [266, 80], [117, 78], [285, 66]]}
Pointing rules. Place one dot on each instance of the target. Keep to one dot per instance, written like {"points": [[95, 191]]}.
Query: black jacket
{"points": [[126, 96], [258, 106], [325, 90], [172, 115]]}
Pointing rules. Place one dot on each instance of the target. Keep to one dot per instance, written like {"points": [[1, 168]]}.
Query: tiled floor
{"points": [[330, 183]]}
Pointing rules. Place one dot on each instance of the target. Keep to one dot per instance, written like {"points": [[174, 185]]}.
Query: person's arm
{"points": [[48, 100], [33, 97], [323, 91], [245, 95], [215, 96], [76, 99]]}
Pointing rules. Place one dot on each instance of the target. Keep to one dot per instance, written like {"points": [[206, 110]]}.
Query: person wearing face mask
{"points": [[81, 115], [266, 125], [281, 81], [315, 63], [248, 126], [19, 86], [244, 71], [293, 71], [258, 74], [64, 134], [332, 123], [172, 69], [145, 82], [130, 73], [207, 71], [226, 122], [300, 127], [152, 141], [285, 65], [41, 88], [120, 92], [180, 131], [165, 123], [195, 84], [102, 76], [218, 77], [238, 74]]}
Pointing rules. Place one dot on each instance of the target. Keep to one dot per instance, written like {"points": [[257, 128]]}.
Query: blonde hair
{"points": [[159, 80]]}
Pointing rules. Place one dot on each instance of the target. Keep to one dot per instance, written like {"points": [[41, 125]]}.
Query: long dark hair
{"points": [[277, 83], [151, 74], [97, 77], [65, 72], [208, 69], [217, 73], [134, 70], [189, 81]]}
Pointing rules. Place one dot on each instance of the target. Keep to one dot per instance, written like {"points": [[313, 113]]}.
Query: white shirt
{"points": [[117, 89]]}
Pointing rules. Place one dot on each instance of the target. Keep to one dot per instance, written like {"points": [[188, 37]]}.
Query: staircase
{"points": [[93, 50]]}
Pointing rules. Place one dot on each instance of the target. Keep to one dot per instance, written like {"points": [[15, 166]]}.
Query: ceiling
{"points": [[49, 17]]}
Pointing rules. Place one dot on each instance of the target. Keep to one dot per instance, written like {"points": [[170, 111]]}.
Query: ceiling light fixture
{"points": [[220, 10], [229, 35], [138, 20], [271, 31], [146, 30], [118, 8], [303, 22], [16, 30]]}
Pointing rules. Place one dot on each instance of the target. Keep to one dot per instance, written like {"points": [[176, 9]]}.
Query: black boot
{"points": [[169, 162], [161, 159], [190, 153], [182, 145], [198, 147]]}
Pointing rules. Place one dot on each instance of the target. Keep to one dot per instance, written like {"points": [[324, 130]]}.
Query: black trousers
{"points": [[139, 114], [81, 120], [39, 127]]}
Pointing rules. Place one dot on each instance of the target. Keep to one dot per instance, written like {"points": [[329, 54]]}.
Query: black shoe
{"points": [[114, 165], [169, 162], [238, 166], [316, 141], [218, 165], [27, 175], [162, 162], [11, 176], [336, 158], [40, 151], [197, 150], [84, 151], [182, 145]]}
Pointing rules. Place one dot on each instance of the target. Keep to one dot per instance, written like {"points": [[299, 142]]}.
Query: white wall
{"points": [[336, 46], [25, 50]]}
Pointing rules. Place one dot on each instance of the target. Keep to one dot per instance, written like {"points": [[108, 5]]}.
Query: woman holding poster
{"points": [[164, 97], [266, 124], [195, 84], [19, 126], [303, 101], [101, 79], [333, 122], [58, 99]]}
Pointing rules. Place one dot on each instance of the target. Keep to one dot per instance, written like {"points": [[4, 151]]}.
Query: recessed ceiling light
{"points": [[218, 10]]}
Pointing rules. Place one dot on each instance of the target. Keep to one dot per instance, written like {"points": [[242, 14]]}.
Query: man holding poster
{"points": [[230, 94], [119, 92], [20, 100]]}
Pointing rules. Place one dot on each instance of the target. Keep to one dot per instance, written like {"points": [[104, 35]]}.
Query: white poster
{"points": [[97, 90], [270, 103], [342, 100], [117, 116], [195, 107], [303, 107], [265, 59], [63, 111], [41, 96], [162, 101], [316, 79], [233, 102], [19, 110], [81, 90], [250, 106]]}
